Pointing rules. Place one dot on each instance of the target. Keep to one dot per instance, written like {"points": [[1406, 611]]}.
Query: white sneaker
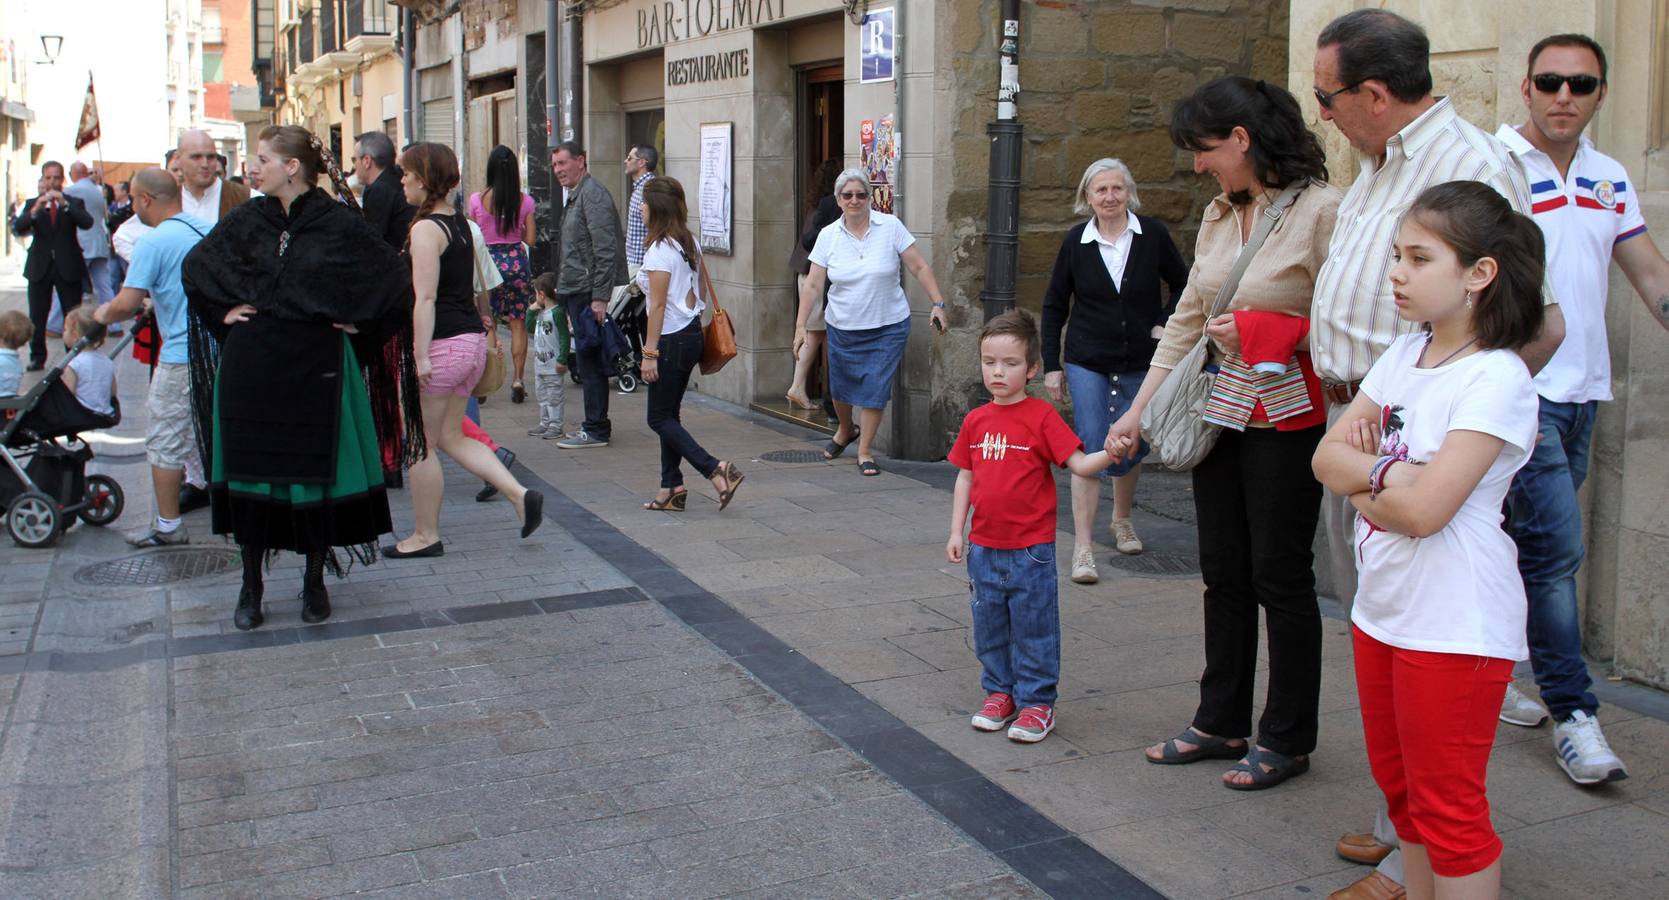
{"points": [[1517, 709], [1083, 567], [1583, 753], [1124, 537]]}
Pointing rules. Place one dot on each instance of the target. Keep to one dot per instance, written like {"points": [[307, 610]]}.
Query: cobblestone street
{"points": [[767, 701]]}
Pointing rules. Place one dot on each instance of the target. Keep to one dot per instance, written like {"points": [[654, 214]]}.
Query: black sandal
{"points": [[1281, 767], [732, 480], [518, 392], [1204, 748], [533, 512], [677, 501], [834, 448], [868, 467]]}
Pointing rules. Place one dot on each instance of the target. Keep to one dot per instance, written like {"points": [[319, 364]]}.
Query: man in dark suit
{"points": [[54, 260], [384, 200]]}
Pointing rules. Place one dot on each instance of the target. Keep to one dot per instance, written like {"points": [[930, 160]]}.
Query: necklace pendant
{"points": [[283, 242]]}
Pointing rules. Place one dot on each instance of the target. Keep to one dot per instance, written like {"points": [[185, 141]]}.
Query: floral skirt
{"points": [[512, 298]]}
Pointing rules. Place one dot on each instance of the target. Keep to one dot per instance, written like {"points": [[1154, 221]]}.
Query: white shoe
{"points": [[1083, 567], [1582, 751], [1517, 709], [1124, 537]]}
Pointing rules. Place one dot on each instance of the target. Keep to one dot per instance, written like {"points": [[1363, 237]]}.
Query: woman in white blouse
{"points": [[868, 315]]}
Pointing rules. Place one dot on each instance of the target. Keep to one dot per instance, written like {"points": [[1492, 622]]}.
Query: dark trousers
{"points": [[1257, 503], [590, 364], [680, 352], [40, 307]]}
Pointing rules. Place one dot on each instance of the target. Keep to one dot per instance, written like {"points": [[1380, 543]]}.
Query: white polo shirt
{"points": [[1582, 219], [866, 289]]}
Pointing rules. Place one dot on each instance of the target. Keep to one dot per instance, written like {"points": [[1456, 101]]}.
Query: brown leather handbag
{"points": [[718, 336]]}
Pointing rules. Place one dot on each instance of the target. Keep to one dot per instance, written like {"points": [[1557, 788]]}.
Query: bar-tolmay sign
{"points": [[671, 21]]}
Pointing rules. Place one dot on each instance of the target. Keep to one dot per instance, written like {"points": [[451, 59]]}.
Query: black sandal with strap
{"points": [[834, 448], [1281, 767], [1204, 748]]}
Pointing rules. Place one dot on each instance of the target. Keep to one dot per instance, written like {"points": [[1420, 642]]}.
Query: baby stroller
{"points": [[630, 312], [44, 483]]}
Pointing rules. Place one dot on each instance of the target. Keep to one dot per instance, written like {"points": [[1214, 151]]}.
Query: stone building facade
{"points": [[1478, 58]]}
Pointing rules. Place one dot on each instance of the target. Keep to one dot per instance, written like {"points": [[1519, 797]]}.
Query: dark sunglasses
{"points": [[1325, 98], [1580, 85], [853, 195]]}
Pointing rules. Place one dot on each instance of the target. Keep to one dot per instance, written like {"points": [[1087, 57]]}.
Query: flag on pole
{"points": [[88, 131]]}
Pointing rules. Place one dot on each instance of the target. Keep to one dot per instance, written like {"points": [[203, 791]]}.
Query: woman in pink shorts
{"points": [[449, 342]]}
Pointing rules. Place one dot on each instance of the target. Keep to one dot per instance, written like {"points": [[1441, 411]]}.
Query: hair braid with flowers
{"points": [[335, 172]]}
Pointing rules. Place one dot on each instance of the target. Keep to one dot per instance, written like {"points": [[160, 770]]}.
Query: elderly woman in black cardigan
{"points": [[1105, 290]]}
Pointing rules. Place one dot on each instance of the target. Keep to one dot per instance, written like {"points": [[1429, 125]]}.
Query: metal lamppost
{"points": [[1002, 223]]}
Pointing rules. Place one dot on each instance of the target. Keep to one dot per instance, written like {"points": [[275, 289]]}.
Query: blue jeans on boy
{"points": [[1545, 521], [1017, 630]]}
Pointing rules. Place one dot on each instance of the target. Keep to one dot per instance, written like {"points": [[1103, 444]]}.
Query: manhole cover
{"points": [[160, 567], [792, 456], [1156, 563]]}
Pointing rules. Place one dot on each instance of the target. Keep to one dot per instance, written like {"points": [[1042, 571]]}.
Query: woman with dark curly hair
{"points": [[505, 215], [1255, 498], [293, 298]]}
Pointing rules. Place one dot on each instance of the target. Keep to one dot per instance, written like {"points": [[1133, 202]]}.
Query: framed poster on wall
{"points": [[713, 194]]}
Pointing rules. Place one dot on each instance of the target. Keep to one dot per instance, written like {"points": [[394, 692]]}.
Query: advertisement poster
{"points": [[878, 150], [875, 46], [713, 196]]}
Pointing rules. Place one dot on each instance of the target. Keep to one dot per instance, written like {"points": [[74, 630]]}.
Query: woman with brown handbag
{"points": [[672, 278]]}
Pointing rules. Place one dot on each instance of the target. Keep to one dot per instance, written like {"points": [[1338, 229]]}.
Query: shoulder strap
{"points": [[1266, 223], [186, 224], [707, 293]]}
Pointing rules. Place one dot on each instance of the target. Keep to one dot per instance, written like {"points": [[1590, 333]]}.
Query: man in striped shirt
{"points": [[1373, 82]]}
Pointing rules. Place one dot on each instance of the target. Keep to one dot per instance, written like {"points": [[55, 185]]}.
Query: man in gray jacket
{"points": [[593, 248]]}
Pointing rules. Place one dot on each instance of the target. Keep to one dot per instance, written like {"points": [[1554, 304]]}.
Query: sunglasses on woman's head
{"points": [[1580, 85]]}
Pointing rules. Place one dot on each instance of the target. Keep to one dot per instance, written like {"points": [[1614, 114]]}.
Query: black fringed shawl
{"points": [[303, 271]]}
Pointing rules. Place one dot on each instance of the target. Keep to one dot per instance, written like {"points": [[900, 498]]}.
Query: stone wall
{"points": [[1097, 79]]}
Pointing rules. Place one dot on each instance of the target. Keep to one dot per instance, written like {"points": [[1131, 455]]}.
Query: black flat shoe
{"points": [[393, 551], [533, 512], [192, 498], [248, 615], [486, 493], [518, 393], [35, 365], [315, 604]]}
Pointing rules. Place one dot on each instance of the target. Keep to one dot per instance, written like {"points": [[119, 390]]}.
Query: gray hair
{"points": [[1080, 200], [377, 145], [852, 175]]}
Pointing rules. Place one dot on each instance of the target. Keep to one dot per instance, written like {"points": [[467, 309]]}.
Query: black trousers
{"points": [[40, 308], [680, 352], [590, 364], [1257, 504]]}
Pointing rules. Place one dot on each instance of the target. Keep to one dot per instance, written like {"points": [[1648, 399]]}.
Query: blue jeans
{"points": [[680, 354], [1097, 401], [587, 359], [1545, 521], [1017, 627]]}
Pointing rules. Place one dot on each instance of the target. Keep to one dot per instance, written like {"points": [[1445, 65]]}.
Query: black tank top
{"points": [[455, 311]]}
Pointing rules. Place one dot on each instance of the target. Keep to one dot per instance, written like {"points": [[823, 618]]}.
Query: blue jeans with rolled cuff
{"points": [[1017, 630], [1545, 521]]}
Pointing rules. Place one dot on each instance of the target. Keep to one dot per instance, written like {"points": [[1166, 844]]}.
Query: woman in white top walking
{"points": [[1425, 453], [672, 344], [868, 316]]}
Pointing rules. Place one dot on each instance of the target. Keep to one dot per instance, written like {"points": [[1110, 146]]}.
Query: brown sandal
{"points": [[732, 480], [675, 502]]}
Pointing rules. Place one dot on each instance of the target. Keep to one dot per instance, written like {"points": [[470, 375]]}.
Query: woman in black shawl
{"points": [[293, 298]]}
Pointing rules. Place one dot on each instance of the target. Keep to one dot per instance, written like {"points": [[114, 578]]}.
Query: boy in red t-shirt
{"points": [[1005, 449]]}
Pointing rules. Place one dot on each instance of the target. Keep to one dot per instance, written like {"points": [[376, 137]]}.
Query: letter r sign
{"points": [[876, 46]]}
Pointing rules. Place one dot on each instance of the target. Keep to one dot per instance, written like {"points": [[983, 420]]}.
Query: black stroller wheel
{"points": [[33, 519], [628, 382], [104, 501]]}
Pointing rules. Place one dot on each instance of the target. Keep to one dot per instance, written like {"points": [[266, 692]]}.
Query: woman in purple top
{"points": [[505, 215]]}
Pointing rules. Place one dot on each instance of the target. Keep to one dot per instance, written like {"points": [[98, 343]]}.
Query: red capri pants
{"points": [[1429, 720]]}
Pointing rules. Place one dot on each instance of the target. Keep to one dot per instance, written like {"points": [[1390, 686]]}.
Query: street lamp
{"points": [[51, 45]]}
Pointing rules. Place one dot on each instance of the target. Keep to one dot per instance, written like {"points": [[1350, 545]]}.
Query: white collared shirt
{"points": [[866, 289], [1583, 218], [1116, 252], [1354, 318], [207, 209]]}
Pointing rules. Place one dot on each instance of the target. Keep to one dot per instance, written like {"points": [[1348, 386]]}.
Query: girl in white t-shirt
{"points": [[1426, 452], [672, 344]]}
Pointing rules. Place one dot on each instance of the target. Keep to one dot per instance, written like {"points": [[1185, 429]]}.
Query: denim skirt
{"points": [[864, 361]]}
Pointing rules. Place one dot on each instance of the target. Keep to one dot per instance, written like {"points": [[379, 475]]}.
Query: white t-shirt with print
{"points": [[1459, 590], [666, 256], [865, 289]]}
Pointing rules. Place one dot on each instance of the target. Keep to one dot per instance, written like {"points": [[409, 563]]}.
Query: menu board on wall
{"points": [[713, 195]]}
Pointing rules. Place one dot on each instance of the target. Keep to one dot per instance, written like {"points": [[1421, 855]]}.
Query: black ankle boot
{"points": [[248, 614], [315, 603]]}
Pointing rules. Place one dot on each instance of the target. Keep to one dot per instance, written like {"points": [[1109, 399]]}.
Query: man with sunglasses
{"points": [[1373, 82], [1589, 213]]}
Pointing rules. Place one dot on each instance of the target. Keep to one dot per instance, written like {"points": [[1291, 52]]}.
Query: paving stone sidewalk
{"points": [[850, 572]]}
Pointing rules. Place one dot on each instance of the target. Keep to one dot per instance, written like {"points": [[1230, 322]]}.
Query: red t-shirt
{"points": [[1009, 450]]}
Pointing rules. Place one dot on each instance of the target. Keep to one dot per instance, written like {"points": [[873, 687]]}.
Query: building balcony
{"points": [[247, 104], [371, 45]]}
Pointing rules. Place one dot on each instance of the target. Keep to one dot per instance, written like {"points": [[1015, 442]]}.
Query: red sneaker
{"points": [[1033, 725], [997, 712]]}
